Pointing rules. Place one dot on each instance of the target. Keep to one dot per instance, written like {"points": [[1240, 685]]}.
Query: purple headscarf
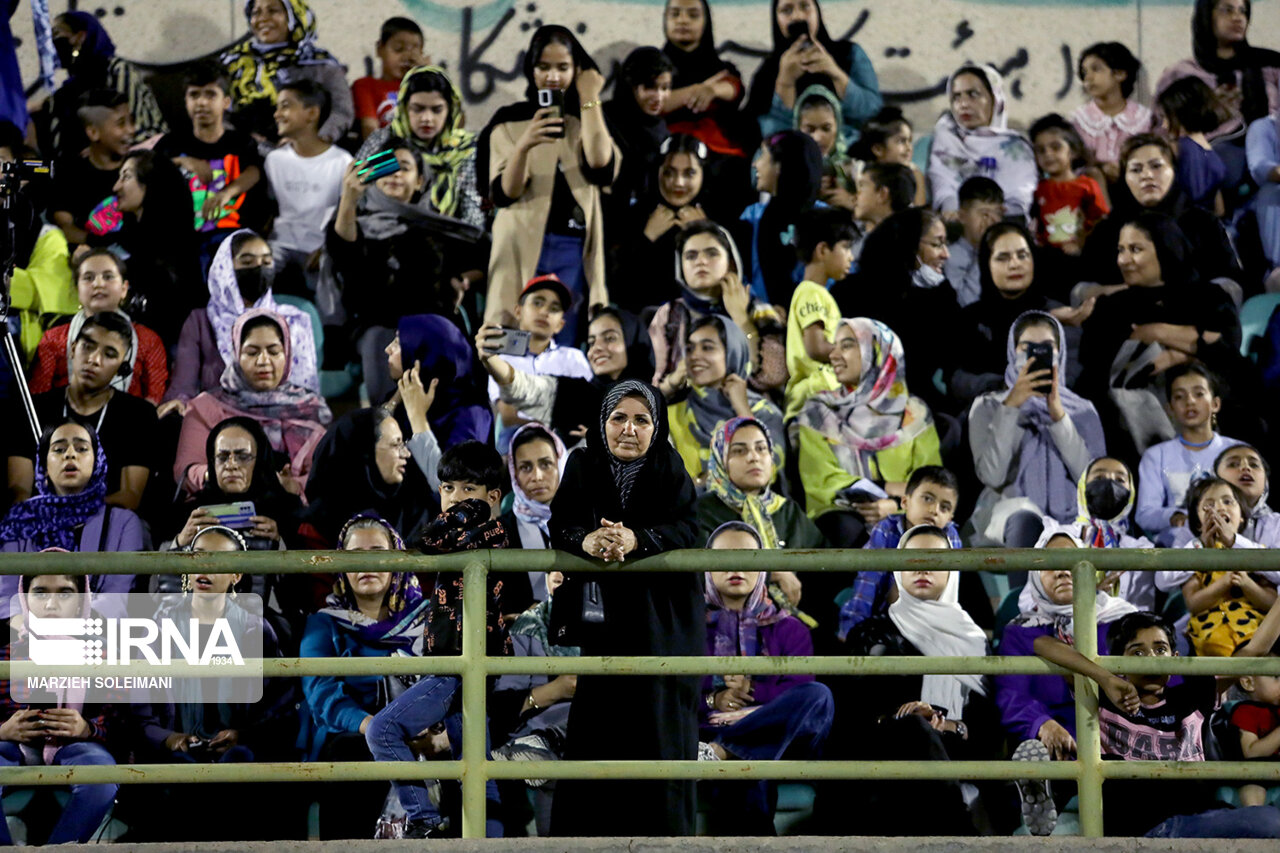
{"points": [[406, 605], [51, 520], [737, 632]]}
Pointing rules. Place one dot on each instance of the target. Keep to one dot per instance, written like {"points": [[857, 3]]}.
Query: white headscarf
{"points": [[940, 629], [1036, 608]]}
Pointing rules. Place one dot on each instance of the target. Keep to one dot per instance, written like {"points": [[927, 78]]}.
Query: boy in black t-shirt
{"points": [[222, 167], [83, 194], [1143, 718]]}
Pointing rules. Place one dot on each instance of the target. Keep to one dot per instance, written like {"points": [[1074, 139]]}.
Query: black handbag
{"points": [[577, 619]]}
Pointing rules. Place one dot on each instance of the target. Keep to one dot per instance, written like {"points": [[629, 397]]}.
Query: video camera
{"points": [[13, 173]]}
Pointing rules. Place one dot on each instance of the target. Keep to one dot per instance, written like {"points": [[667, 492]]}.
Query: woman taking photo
{"points": [[544, 174], [627, 496]]}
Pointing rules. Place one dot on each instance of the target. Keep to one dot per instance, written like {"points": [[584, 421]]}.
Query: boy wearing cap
{"points": [[540, 312]]}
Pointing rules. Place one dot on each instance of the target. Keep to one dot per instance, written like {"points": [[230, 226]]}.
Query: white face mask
{"points": [[927, 276]]}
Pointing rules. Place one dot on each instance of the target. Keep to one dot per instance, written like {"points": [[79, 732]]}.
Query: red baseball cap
{"points": [[551, 281]]}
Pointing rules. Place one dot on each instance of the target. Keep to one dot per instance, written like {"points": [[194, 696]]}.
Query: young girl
{"points": [[102, 285], [1109, 72], [1032, 442], [1242, 465], [717, 366], [973, 138], [1190, 112], [1169, 468], [1068, 203], [817, 115], [544, 173], [634, 114], [789, 169], [887, 138], [708, 269]]}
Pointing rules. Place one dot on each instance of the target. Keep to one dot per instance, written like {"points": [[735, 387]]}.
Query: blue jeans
{"points": [[562, 255], [794, 725], [89, 803], [432, 700], [1251, 822]]}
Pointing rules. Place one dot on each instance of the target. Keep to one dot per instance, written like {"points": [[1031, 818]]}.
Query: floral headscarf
{"points": [[756, 510], [286, 402], [406, 604], [878, 412], [252, 65], [51, 520], [737, 632], [448, 152]]}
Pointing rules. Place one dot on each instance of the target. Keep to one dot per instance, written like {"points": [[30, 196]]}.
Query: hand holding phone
{"points": [[507, 342], [237, 516], [378, 166], [1040, 359], [552, 101]]}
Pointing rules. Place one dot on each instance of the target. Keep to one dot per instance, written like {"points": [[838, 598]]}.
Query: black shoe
{"points": [[424, 829]]}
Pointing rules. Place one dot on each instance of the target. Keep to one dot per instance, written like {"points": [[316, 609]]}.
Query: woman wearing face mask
{"points": [[708, 270], [1164, 316], [544, 174], [1149, 184], [642, 248], [900, 282], [938, 717], [282, 44], [716, 362], [1038, 711], [1032, 442], [634, 114], [240, 278], [102, 285], [88, 55], [804, 54], [362, 465], [618, 348], [256, 385], [153, 224], [973, 138], [624, 497], [1243, 466]]}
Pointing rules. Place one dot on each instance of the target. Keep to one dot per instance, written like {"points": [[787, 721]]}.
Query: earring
{"points": [[186, 585], [1213, 421], [233, 593], [75, 53]]}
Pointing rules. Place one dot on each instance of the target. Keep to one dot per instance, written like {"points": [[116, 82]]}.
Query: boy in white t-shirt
{"points": [[306, 179]]}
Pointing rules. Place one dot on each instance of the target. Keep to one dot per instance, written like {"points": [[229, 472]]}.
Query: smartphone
{"points": [[797, 30], [552, 99], [508, 342], [378, 166], [1040, 357], [234, 515]]}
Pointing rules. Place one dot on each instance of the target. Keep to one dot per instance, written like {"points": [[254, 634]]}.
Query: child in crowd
{"points": [[306, 179], [824, 240], [818, 115], [981, 206], [1190, 112], [1109, 73], [1243, 466], [883, 189], [1256, 721], [1144, 718], [1068, 204], [223, 167], [789, 172], [931, 497], [1225, 607], [83, 184], [886, 138], [400, 48], [1167, 469], [541, 311]]}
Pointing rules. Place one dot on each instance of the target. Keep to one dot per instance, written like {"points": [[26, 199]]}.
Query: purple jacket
{"points": [[197, 364], [1027, 702], [787, 636]]}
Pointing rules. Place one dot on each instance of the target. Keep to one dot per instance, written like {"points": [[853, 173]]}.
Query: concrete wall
{"points": [[913, 43]]}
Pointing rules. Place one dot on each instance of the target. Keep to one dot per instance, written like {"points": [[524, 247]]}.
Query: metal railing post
{"points": [[475, 576], [1088, 737]]}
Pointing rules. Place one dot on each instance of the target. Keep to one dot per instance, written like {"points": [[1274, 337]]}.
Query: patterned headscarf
{"points": [[756, 510], [625, 473], [526, 508], [287, 401], [252, 65], [1101, 532], [445, 154], [878, 412], [51, 520], [737, 632], [406, 604]]}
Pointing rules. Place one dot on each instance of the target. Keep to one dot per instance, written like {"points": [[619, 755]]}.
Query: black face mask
{"points": [[254, 282], [1105, 499], [66, 53]]}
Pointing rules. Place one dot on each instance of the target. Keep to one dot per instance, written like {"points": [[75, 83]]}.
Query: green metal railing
{"points": [[1088, 770]]}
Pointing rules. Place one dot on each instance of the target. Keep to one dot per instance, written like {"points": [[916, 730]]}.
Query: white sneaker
{"points": [[1038, 811]]}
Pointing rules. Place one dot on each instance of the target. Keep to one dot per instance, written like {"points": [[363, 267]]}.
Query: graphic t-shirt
{"points": [[87, 193], [810, 303], [228, 158], [375, 98], [1169, 731]]}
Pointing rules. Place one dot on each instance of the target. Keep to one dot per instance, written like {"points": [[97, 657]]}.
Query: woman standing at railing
{"points": [[627, 496]]}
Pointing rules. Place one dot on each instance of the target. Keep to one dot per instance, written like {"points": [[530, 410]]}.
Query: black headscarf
{"points": [[345, 480], [703, 62], [268, 496], [799, 162], [1248, 60], [578, 401], [762, 85]]}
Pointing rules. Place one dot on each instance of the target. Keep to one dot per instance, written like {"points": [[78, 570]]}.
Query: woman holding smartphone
{"points": [[545, 161], [1031, 441]]}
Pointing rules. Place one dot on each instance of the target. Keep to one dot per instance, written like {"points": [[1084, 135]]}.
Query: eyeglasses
{"points": [[242, 457]]}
